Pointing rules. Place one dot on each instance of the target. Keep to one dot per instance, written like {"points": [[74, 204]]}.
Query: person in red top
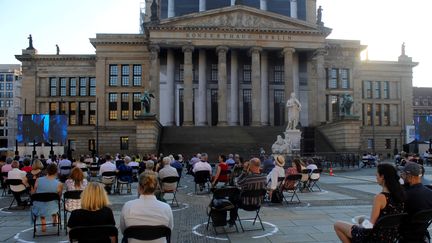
{"points": [[221, 171], [26, 162]]}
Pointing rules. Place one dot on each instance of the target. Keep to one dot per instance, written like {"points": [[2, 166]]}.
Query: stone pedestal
{"points": [[147, 134], [293, 137]]}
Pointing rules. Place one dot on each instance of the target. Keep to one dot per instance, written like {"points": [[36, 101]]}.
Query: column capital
{"points": [[255, 49], [222, 49], [188, 48], [320, 52], [288, 49]]}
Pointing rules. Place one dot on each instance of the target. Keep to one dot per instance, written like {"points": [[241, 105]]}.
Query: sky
{"points": [[382, 25]]}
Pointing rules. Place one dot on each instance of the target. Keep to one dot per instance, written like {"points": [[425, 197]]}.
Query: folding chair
{"points": [[291, 184], [253, 195], [121, 183], [15, 182], [202, 178], [226, 173], [5, 186], [63, 177], [305, 179], [314, 178], [108, 178], [171, 179], [220, 204], [97, 233], [46, 197], [418, 225], [147, 233], [76, 194], [94, 169], [390, 224]]}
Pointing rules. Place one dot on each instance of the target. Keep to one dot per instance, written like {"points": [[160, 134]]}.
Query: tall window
{"points": [[113, 75], [332, 78], [137, 73], [370, 143], [367, 89], [92, 113], [72, 113], [92, 91], [378, 120], [62, 86], [124, 106], [82, 113], [52, 108], [214, 72], [112, 107], [334, 101], [247, 73], [9, 86], [386, 117], [72, 86], [279, 74], [344, 78], [83, 87], [279, 107], [247, 107], [386, 90], [62, 110], [125, 75], [367, 116], [179, 73], [53, 87], [377, 87], [124, 143], [388, 143], [136, 105]]}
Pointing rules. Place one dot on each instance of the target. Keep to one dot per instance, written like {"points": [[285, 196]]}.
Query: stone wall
{"points": [[344, 135]]}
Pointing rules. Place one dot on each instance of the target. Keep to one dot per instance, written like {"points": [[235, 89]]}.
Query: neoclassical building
{"points": [[217, 64]]}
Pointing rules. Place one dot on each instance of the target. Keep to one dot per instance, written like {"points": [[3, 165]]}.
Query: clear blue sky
{"points": [[381, 24]]}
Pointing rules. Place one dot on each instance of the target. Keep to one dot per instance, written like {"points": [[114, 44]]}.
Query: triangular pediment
{"points": [[237, 17]]}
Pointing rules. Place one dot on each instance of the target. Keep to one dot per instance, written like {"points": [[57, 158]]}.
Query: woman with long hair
{"points": [[76, 182], [389, 201]]}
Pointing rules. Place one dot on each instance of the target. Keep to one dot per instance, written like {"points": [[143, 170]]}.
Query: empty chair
{"points": [[305, 173], [147, 233], [108, 178], [97, 233]]}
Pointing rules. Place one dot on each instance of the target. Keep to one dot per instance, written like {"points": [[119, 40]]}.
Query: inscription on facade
{"points": [[234, 36]]}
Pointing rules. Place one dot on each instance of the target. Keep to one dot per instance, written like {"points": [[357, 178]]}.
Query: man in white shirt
{"points": [[203, 164], [107, 167], [146, 210], [18, 190], [167, 171]]}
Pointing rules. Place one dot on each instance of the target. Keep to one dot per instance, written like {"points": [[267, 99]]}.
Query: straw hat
{"points": [[280, 161]]}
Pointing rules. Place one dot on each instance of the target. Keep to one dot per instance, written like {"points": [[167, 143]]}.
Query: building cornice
{"points": [[56, 57]]}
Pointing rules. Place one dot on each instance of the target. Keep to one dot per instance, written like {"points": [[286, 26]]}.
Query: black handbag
{"points": [[277, 196]]}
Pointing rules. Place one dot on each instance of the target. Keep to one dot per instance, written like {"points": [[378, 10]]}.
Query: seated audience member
{"points": [[418, 198], [94, 208], [311, 165], [107, 166], [203, 165], [168, 171], [296, 168], [389, 201], [268, 164], [221, 171], [76, 181], [230, 161], [7, 167], [146, 210], [48, 183], [177, 165], [251, 179], [16, 173], [36, 172], [26, 165], [64, 173], [149, 167], [125, 167], [275, 173], [195, 159]]}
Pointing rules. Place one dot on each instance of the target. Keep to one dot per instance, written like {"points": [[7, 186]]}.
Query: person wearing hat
{"points": [[275, 173], [418, 198]]}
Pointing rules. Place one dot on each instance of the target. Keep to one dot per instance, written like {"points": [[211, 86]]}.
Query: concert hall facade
{"points": [[222, 63]]}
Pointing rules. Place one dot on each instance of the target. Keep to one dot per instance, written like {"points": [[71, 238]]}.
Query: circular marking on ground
{"points": [[17, 236], [319, 192], [2, 210], [274, 231], [185, 206]]}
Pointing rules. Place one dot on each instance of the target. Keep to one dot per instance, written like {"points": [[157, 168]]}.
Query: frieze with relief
{"points": [[237, 20]]}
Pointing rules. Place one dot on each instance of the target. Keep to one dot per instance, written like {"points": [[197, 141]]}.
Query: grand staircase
{"points": [[245, 141]]}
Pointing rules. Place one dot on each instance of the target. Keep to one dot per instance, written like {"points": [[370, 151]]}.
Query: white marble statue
{"points": [[294, 108], [281, 146]]}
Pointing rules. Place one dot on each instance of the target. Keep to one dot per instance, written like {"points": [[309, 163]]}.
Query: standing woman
{"points": [[45, 184], [389, 201]]}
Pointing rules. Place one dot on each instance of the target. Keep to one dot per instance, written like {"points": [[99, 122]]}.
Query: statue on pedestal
{"points": [[345, 105], [146, 102], [281, 146], [294, 108], [319, 15], [57, 50], [30, 47]]}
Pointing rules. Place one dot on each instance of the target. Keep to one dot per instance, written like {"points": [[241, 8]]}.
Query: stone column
{"points": [[320, 86], [234, 90], [187, 85], [202, 89], [171, 11], [222, 85], [256, 86], [170, 88], [288, 71], [153, 85], [293, 7], [264, 90], [263, 5], [202, 5]]}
